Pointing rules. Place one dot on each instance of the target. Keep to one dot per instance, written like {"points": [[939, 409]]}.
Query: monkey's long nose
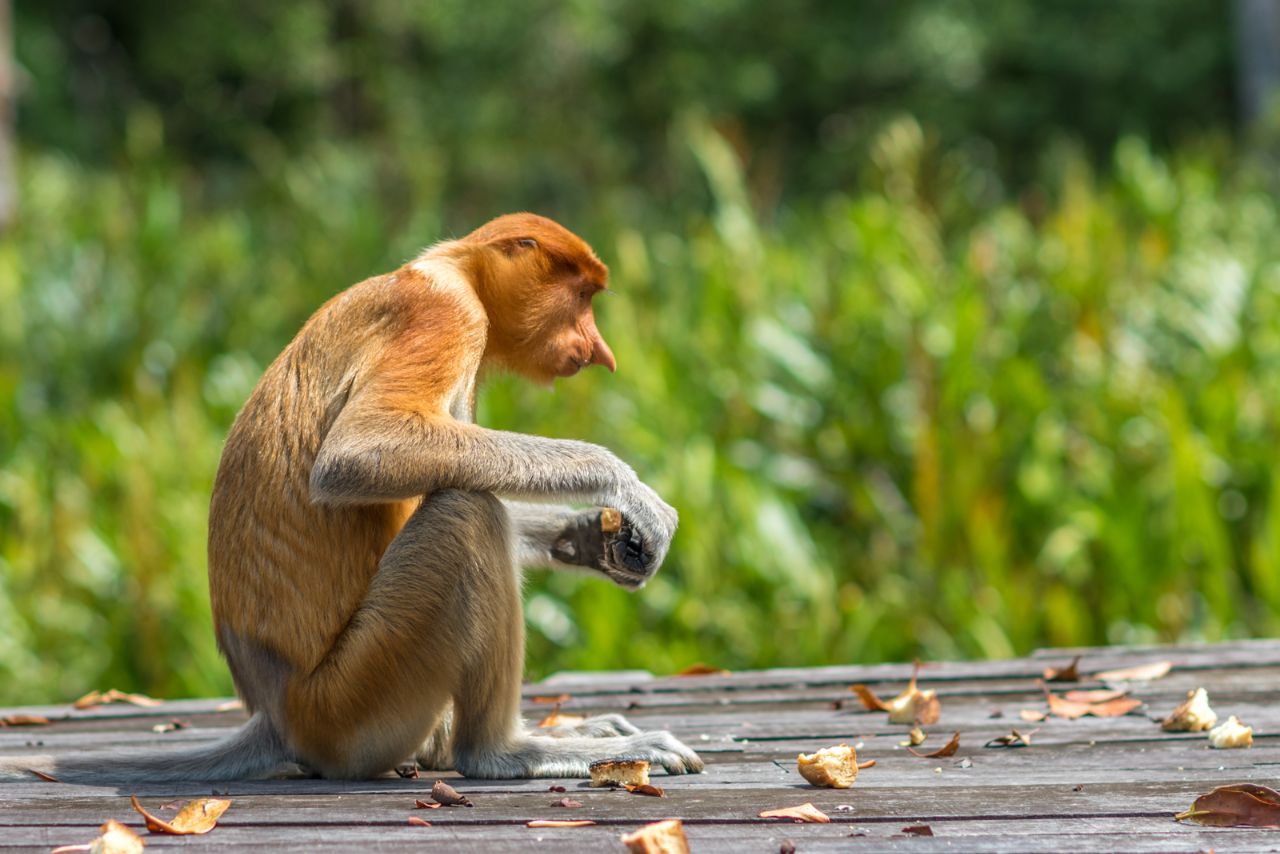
{"points": [[600, 352]]}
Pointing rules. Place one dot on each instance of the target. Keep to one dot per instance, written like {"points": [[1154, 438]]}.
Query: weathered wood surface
{"points": [[1091, 784]]}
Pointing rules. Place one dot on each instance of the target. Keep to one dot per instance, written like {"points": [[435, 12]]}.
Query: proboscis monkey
{"points": [[366, 537]]}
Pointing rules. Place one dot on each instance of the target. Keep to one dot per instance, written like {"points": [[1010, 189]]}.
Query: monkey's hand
{"points": [[620, 555], [633, 554]]}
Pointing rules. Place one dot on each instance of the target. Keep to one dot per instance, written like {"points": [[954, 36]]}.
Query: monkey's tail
{"points": [[254, 750]]}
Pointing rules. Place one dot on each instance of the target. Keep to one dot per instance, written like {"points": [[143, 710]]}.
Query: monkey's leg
{"points": [[489, 739], [596, 726], [436, 618]]}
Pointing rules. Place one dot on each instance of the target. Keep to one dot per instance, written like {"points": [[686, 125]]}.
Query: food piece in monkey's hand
{"points": [[661, 837], [619, 772], [832, 767], [610, 520]]}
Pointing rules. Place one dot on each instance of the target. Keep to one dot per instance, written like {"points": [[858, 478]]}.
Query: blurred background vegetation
{"points": [[952, 327]]}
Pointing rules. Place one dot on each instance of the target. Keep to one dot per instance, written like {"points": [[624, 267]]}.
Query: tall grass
{"points": [[910, 420]]}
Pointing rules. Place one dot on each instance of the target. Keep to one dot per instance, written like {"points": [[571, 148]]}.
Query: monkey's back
{"points": [[286, 574]]}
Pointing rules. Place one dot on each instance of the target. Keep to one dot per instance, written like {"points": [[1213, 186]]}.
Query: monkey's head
{"points": [[536, 280]]}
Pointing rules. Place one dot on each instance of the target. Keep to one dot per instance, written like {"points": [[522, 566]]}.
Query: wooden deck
{"points": [[1091, 784]]}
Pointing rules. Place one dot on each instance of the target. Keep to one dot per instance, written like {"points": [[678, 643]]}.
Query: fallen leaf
{"points": [[1097, 695], [660, 837], [114, 838], [1072, 709], [418, 822], [1013, 739], [646, 789], [548, 701], [548, 822], [947, 749], [426, 805], [172, 805], [24, 720], [1138, 673], [198, 816], [556, 718], [1114, 708], [918, 830], [912, 706], [443, 793], [701, 669], [1238, 805], [568, 803], [99, 698], [870, 763], [1032, 715], [1070, 673], [48, 778], [804, 813], [869, 699]]}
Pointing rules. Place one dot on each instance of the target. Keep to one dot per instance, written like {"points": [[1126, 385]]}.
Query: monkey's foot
{"points": [[572, 756], [596, 726]]}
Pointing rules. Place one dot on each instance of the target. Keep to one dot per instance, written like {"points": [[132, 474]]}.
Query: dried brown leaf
{"points": [[1238, 805], [1097, 695], [24, 720], [548, 701], [568, 803], [918, 830], [948, 749], [646, 789], [1070, 673], [1138, 673], [701, 669], [198, 816], [1013, 739], [99, 698], [1114, 708], [556, 718], [804, 813], [114, 838], [870, 763], [551, 822], [869, 699], [420, 804], [418, 822], [443, 793], [1032, 715]]}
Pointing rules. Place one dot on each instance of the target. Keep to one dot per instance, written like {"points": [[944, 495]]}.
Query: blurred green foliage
{"points": [[995, 377]]}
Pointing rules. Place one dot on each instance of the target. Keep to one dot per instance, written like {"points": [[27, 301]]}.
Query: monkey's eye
{"points": [[527, 243]]}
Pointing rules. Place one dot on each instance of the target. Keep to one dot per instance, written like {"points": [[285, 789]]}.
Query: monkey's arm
{"points": [[375, 452]]}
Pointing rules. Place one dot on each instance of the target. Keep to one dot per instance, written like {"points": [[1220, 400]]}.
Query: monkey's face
{"points": [[541, 279]]}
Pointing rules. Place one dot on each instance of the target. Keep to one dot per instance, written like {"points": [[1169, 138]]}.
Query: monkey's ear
{"points": [[516, 245]]}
